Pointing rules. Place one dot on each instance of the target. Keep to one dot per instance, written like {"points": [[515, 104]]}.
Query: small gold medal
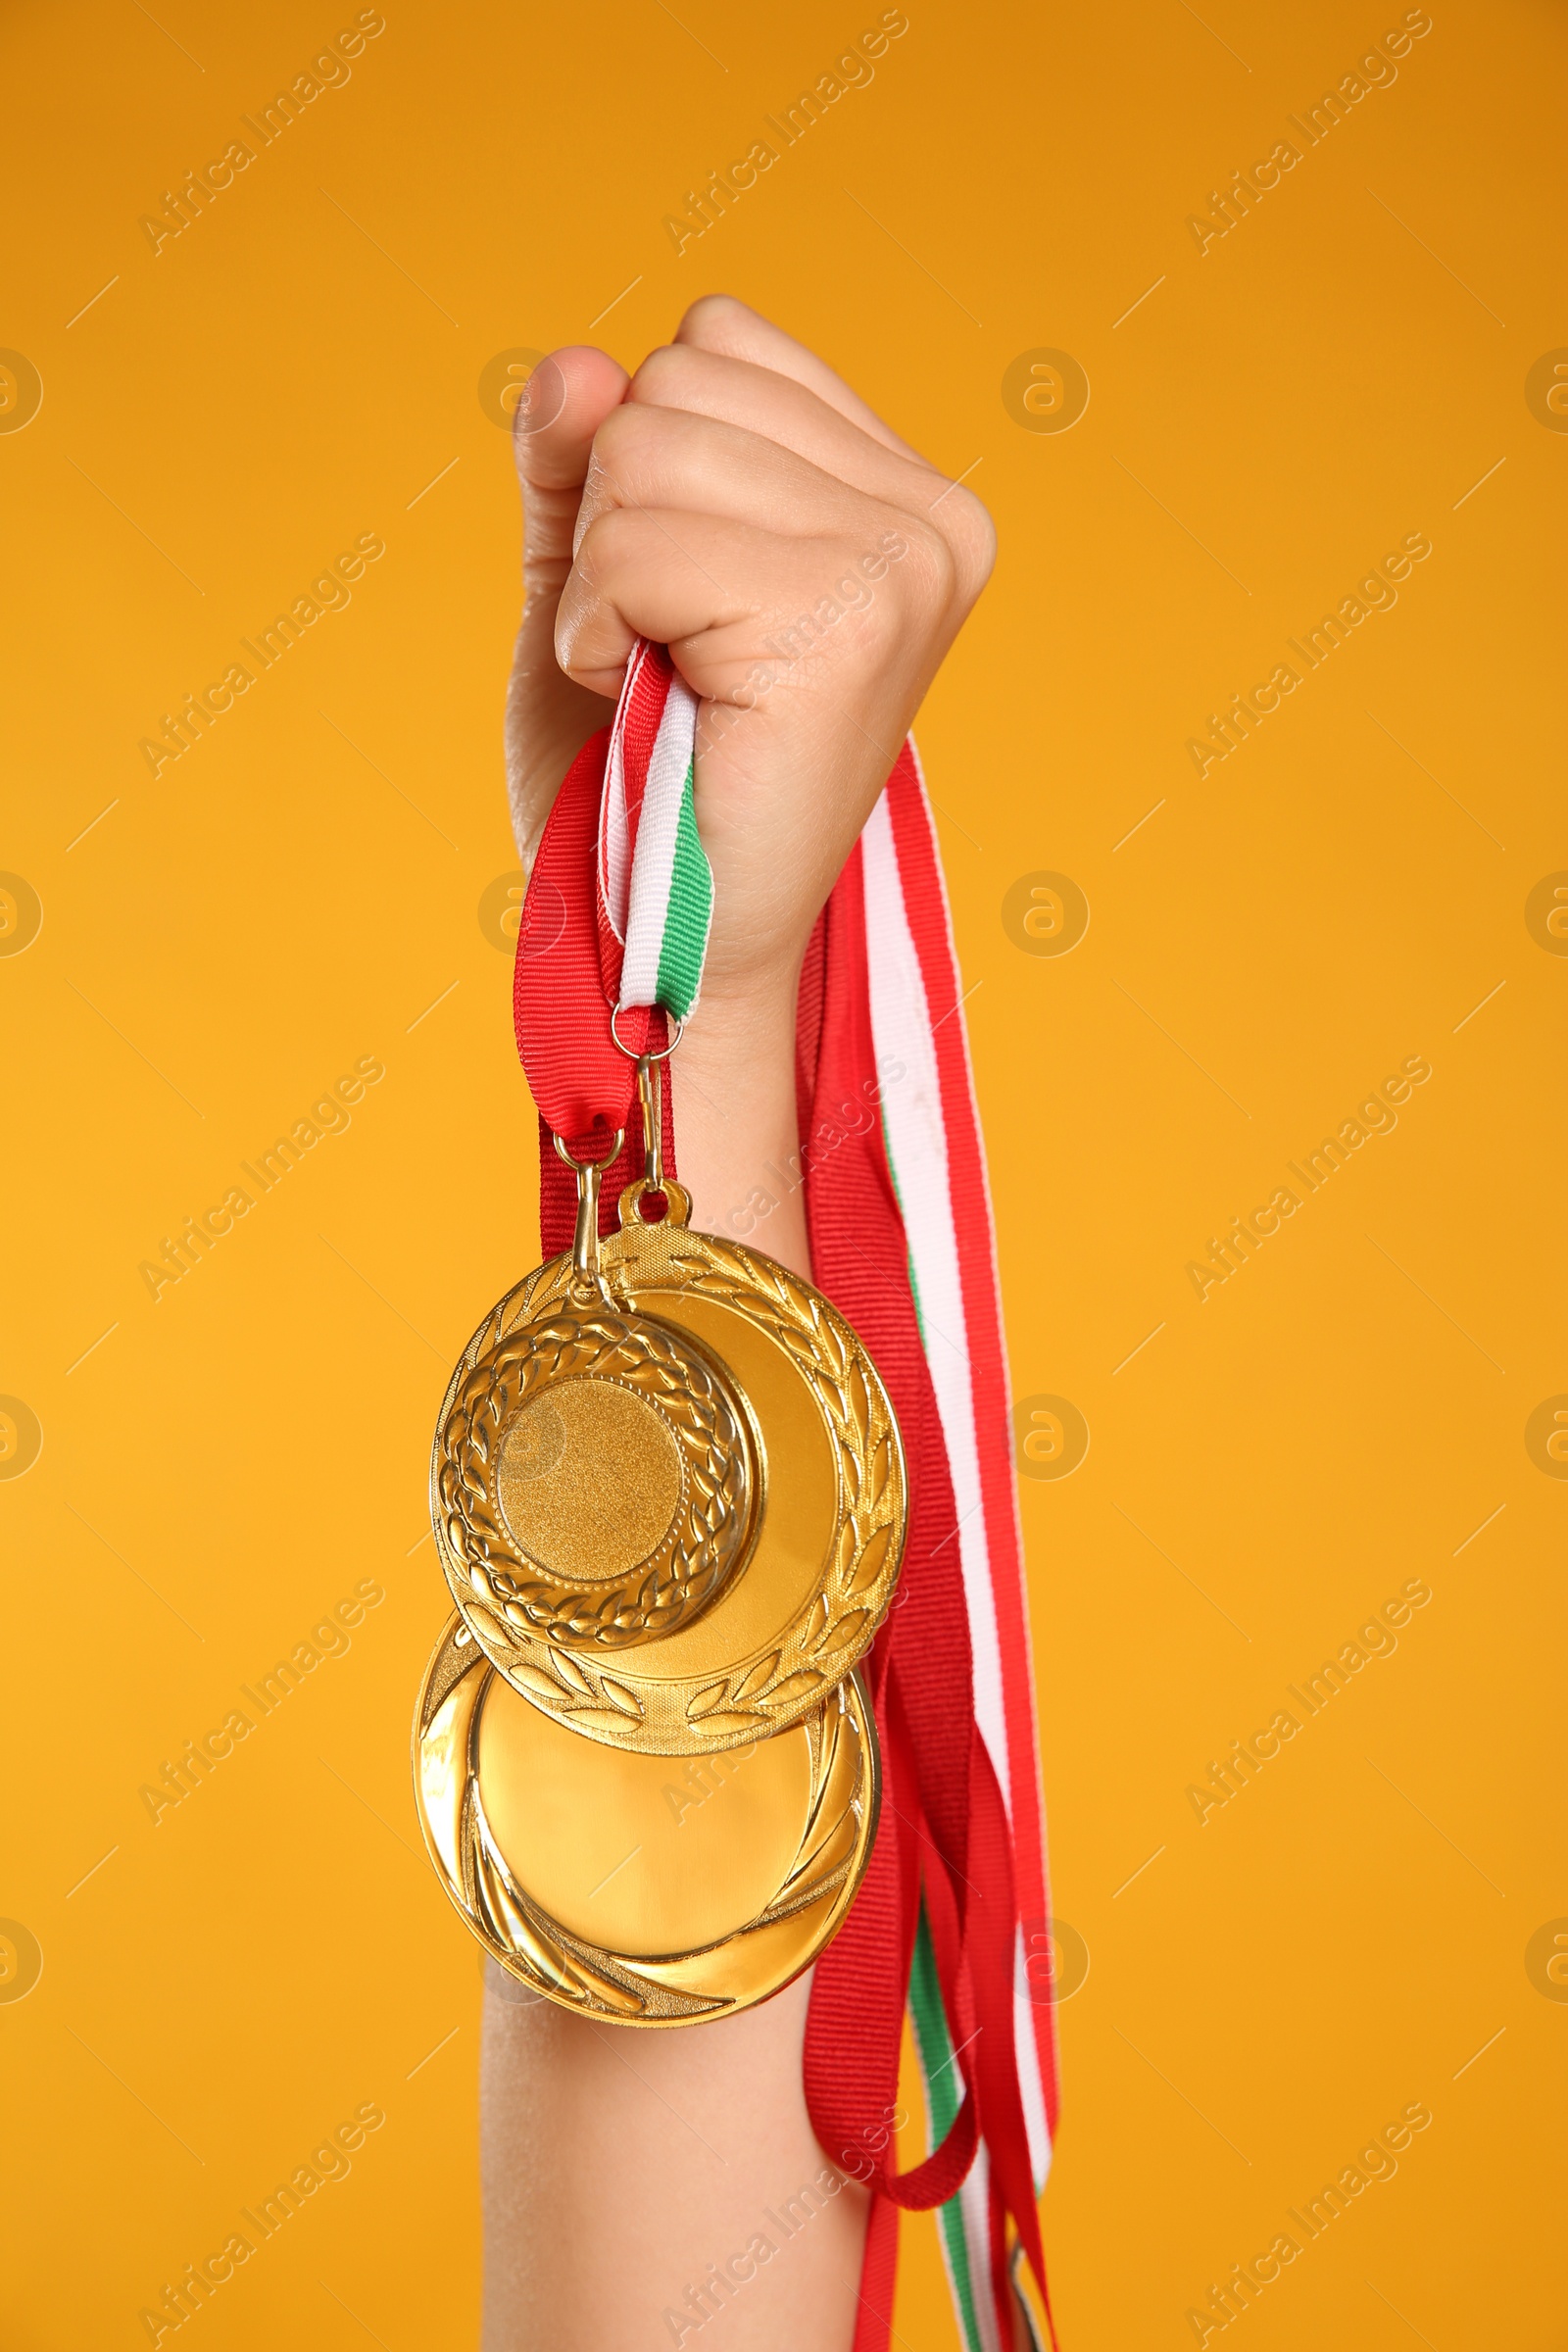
{"points": [[597, 1473], [626, 1887], [668, 1489]]}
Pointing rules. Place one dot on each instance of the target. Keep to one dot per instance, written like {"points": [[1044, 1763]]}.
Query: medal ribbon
{"points": [[656, 886], [616, 920], [951, 1917]]}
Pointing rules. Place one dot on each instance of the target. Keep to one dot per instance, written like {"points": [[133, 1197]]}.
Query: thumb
{"points": [[549, 715]]}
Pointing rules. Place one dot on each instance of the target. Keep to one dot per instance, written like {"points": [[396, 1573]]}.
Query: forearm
{"points": [[621, 2169]]}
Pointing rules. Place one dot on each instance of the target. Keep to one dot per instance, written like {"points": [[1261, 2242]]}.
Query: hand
{"points": [[737, 502]]}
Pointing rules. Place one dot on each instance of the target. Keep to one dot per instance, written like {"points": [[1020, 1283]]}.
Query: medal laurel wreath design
{"points": [[552, 1653], [705, 1539], [869, 1539]]}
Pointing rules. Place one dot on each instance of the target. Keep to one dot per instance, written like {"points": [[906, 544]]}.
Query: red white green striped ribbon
{"points": [[655, 897], [655, 887], [932, 1132]]}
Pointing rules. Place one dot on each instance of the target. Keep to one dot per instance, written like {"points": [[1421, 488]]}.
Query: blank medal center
{"points": [[588, 1480]]}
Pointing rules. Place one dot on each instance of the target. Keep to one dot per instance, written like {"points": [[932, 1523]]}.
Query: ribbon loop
{"points": [[656, 886], [614, 925]]}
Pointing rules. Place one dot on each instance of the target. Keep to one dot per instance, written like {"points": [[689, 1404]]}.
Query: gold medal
{"points": [[597, 1472], [629, 1886], [668, 1488]]}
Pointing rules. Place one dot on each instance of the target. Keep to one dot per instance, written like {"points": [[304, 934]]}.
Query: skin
{"points": [[709, 502]]}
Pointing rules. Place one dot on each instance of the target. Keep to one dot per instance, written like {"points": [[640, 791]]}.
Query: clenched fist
{"points": [[737, 502]]}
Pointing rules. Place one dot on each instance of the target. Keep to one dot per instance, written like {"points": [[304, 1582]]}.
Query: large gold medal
{"points": [[627, 1886], [668, 1489]]}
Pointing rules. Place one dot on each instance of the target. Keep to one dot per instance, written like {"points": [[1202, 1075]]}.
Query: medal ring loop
{"points": [[678, 1031], [587, 1281], [580, 1167]]}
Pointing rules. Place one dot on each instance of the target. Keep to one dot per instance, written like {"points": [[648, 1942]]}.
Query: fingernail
{"points": [[542, 399]]}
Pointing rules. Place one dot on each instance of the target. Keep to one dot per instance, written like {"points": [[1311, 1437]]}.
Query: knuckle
{"points": [[638, 442], [930, 569], [607, 544], [709, 316], [621, 433], [659, 380], [973, 538]]}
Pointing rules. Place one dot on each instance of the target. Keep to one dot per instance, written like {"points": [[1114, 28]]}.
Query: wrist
{"points": [[737, 1144]]}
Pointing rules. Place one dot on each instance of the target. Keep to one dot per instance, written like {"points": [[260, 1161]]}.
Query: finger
{"points": [[719, 322], [725, 596], [812, 413], [549, 715], [670, 458], [564, 403], [734, 391]]}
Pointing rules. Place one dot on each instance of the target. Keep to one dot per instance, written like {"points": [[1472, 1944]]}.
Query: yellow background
{"points": [[299, 889]]}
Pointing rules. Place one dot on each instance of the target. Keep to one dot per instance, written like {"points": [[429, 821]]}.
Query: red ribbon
{"points": [[943, 1827], [944, 1831], [565, 988]]}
